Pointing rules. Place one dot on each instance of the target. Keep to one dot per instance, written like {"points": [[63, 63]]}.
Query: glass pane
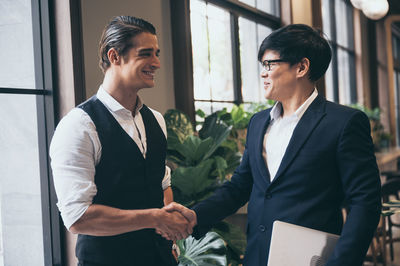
{"points": [[344, 25], [17, 69], [204, 106], [211, 107], [329, 87], [344, 74], [201, 68], [396, 82], [396, 47], [220, 106], [221, 76], [251, 36], [267, 6], [212, 52], [249, 2], [21, 232], [326, 18]]}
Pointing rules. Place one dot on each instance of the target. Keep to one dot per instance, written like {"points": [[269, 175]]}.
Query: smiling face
{"points": [[138, 66], [280, 81]]}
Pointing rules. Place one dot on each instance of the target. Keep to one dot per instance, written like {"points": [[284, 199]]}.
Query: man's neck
{"points": [[127, 97], [290, 105]]}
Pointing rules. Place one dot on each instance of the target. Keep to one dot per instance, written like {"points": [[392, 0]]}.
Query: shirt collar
{"points": [[112, 104], [301, 110], [276, 110]]}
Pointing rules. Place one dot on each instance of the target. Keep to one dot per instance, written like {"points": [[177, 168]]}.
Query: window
{"points": [[215, 51], [337, 21], [28, 218], [224, 45], [396, 75]]}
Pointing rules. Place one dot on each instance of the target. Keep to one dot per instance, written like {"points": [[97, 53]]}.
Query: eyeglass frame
{"points": [[267, 66]]}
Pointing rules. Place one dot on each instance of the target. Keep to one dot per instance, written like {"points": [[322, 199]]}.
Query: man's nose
{"points": [[155, 64], [264, 73]]}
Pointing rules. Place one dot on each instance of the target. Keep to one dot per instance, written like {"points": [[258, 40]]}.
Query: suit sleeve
{"points": [[227, 199], [361, 185]]}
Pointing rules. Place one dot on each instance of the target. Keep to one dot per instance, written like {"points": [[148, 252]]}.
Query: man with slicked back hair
{"points": [[108, 159]]}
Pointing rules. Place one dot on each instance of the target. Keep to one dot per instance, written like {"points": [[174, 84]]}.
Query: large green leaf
{"points": [[178, 123], [220, 166], [215, 129], [234, 237], [193, 180], [194, 149], [198, 252]]}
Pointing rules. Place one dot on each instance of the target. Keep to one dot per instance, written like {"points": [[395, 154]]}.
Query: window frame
{"points": [[351, 51], [396, 79], [182, 48], [44, 91]]}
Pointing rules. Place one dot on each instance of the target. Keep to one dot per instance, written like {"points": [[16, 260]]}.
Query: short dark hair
{"points": [[118, 35], [297, 41]]}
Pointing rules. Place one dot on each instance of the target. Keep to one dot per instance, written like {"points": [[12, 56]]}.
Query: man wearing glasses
{"points": [[305, 158]]}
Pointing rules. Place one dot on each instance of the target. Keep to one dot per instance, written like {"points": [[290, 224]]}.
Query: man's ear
{"points": [[113, 56], [303, 67]]}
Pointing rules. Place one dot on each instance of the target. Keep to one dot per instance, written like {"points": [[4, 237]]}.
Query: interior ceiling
{"points": [[394, 7]]}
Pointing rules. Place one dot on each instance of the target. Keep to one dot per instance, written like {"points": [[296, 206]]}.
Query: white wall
{"points": [[97, 13]]}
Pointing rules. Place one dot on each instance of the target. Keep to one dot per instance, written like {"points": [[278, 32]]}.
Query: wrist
{"points": [[156, 217]]}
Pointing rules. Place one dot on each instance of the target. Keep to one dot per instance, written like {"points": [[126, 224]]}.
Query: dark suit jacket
{"points": [[328, 163]]}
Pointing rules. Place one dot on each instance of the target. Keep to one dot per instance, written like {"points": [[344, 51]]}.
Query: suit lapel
{"points": [[306, 125], [262, 167]]}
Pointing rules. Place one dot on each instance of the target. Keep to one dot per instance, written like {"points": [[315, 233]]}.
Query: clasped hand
{"points": [[176, 222]]}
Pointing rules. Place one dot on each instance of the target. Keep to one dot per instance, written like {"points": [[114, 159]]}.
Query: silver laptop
{"points": [[301, 246]]}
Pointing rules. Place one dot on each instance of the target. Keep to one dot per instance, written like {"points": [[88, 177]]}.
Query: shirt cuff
{"points": [[167, 178]]}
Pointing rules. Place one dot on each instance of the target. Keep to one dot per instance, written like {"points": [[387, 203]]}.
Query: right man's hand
{"points": [[173, 227]]}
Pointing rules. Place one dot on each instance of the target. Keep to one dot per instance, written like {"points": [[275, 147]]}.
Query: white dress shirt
{"points": [[279, 133], [75, 150]]}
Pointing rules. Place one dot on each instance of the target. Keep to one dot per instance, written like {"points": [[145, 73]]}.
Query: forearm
{"points": [[101, 220], [168, 196], [361, 186], [356, 237]]}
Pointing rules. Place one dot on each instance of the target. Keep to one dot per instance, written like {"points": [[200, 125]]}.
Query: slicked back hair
{"points": [[118, 34], [297, 41]]}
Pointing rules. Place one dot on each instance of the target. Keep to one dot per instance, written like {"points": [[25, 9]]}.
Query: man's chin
{"points": [[268, 96], [149, 84]]}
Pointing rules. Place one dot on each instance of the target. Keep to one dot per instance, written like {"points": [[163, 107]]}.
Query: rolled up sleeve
{"points": [[73, 152]]}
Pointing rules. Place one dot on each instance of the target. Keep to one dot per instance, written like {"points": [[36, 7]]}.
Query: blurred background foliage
{"points": [[204, 156]]}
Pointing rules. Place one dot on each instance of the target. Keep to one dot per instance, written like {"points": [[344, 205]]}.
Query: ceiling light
{"points": [[375, 9], [357, 3]]}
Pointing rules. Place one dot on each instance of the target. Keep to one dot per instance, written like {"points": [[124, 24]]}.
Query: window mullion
{"points": [[52, 229], [351, 55], [334, 51], [237, 76]]}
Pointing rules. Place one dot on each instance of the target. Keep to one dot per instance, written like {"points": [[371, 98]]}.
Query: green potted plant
{"points": [[380, 137], [201, 161], [201, 252]]}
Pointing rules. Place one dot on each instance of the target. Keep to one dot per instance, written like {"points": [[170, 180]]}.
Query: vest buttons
{"points": [[268, 195], [261, 227]]}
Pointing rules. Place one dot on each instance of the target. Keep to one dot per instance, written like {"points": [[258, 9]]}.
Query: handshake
{"points": [[176, 222]]}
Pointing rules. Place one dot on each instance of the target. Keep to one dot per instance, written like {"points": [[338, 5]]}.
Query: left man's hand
{"points": [[190, 216]]}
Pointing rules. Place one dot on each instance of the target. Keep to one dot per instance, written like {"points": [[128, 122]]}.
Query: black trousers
{"points": [[88, 263]]}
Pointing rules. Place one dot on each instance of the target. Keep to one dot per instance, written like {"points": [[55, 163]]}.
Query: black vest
{"points": [[126, 180]]}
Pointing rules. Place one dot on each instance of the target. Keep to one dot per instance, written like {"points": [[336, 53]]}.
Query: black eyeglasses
{"points": [[266, 64]]}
